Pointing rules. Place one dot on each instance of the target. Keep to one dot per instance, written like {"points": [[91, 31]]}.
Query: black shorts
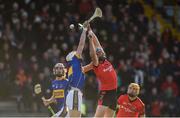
{"points": [[108, 98]]}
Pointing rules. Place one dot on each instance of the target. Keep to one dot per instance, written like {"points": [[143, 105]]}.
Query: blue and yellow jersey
{"points": [[60, 90], [75, 75]]}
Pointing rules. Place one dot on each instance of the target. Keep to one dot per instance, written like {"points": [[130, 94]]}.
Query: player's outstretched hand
{"points": [[89, 32]]}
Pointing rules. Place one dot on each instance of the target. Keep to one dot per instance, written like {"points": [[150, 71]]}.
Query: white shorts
{"points": [[74, 99], [62, 113]]}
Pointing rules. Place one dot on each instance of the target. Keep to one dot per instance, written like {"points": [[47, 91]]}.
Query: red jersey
{"points": [[129, 108], [106, 75]]}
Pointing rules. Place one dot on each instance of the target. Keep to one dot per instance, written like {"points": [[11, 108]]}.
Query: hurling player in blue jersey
{"points": [[76, 77], [60, 88]]}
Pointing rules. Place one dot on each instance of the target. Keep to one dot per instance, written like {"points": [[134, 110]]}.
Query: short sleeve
{"points": [[120, 99]]}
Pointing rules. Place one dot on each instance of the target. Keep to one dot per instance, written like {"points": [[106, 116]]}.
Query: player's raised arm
{"points": [[82, 39], [92, 49], [93, 55], [95, 40]]}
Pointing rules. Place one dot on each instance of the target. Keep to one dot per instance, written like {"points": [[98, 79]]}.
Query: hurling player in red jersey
{"points": [[130, 105], [106, 75]]}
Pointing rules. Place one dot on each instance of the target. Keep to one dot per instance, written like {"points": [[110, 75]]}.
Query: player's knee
{"points": [[109, 112], [74, 113], [100, 111]]}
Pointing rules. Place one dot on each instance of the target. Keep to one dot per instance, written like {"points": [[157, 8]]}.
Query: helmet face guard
{"points": [[59, 70]]}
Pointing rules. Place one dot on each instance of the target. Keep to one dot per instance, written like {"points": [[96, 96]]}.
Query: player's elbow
{"points": [[87, 68], [84, 70], [95, 63]]}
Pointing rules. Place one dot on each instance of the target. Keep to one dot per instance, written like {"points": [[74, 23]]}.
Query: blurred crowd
{"points": [[35, 34], [169, 9]]}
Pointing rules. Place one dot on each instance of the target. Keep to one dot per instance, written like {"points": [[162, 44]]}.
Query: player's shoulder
{"points": [[72, 55], [107, 63], [63, 80], [66, 80], [76, 58], [102, 63], [124, 96], [140, 102], [54, 81]]}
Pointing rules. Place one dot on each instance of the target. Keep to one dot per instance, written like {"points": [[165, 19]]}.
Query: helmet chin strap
{"points": [[60, 75]]}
